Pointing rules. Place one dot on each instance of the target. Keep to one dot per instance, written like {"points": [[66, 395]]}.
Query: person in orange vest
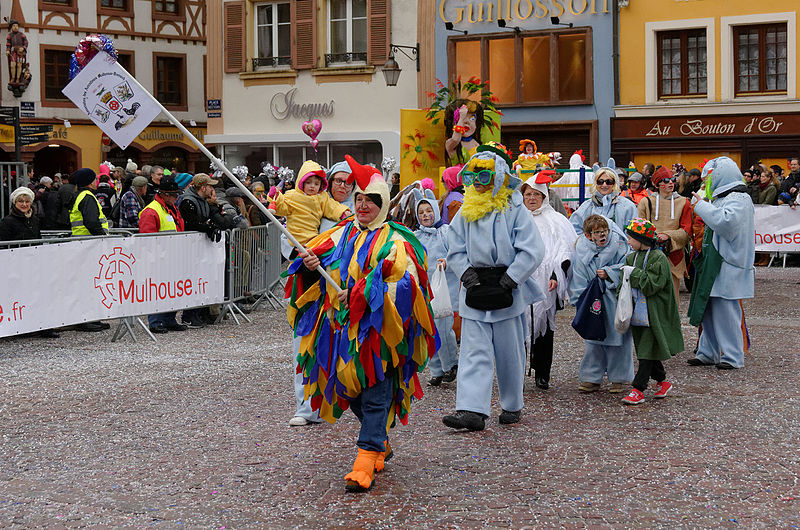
{"points": [[161, 215], [636, 190]]}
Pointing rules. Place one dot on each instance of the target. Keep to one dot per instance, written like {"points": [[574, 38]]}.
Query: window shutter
{"points": [[378, 31], [304, 35], [235, 53]]}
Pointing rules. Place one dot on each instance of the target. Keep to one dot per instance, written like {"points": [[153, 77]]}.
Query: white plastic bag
{"points": [[440, 304], [622, 318]]}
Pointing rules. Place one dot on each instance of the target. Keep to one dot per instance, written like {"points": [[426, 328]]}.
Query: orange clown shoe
{"points": [[383, 457], [361, 478]]}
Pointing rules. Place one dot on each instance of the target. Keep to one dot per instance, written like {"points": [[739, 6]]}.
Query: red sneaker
{"points": [[634, 397], [663, 389]]}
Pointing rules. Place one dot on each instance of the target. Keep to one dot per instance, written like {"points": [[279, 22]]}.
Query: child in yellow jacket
{"points": [[305, 206]]}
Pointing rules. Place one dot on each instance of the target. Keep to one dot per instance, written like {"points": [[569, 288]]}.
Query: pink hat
{"points": [[427, 183], [104, 170], [450, 177]]}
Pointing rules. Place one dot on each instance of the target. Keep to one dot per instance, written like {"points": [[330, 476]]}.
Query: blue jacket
{"points": [[732, 218], [612, 206], [589, 258], [506, 238]]}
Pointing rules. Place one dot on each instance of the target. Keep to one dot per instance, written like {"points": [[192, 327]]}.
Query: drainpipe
{"points": [[615, 45]]}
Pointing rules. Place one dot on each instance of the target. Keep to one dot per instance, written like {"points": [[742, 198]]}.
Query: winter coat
{"points": [[611, 206], [16, 226], [663, 338]]}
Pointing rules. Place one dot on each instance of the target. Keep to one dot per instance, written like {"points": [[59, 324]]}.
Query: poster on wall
{"points": [[112, 99]]}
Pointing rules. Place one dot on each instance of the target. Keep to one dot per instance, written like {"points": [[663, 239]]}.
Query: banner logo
{"points": [[112, 268]]}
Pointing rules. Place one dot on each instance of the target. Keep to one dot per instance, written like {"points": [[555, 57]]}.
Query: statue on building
{"points": [[17, 51]]}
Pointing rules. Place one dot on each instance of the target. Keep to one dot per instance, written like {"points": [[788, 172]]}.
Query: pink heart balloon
{"points": [[312, 128], [314, 143]]}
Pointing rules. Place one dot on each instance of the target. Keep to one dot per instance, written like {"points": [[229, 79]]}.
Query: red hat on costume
{"points": [[369, 181], [661, 173]]}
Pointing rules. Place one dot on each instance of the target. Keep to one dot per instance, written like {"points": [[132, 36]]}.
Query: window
{"points": [[347, 32], [114, 4], [760, 59], [682, 64], [170, 78], [530, 68], [125, 60], [273, 35], [56, 73], [166, 6], [59, 2]]}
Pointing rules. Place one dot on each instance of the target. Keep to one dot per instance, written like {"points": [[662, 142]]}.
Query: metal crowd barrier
{"points": [[253, 269]]}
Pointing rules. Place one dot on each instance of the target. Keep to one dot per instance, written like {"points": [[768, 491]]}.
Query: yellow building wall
{"points": [[639, 12]]}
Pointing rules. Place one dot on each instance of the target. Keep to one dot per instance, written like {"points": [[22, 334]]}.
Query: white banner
{"points": [[111, 277], [112, 99], [777, 229]]}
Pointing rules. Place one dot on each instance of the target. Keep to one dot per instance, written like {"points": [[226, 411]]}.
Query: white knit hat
{"points": [[22, 190], [131, 167]]}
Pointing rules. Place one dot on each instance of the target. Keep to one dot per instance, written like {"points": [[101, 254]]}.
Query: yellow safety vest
{"points": [[166, 223], [76, 217]]}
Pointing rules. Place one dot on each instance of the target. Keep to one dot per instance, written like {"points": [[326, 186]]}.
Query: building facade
{"points": [[554, 77], [274, 65], [160, 42], [704, 78]]}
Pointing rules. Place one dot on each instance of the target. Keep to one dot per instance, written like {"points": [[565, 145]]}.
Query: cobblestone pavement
{"points": [[192, 432]]}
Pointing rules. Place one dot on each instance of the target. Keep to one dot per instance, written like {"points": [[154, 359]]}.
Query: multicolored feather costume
{"points": [[388, 329]]}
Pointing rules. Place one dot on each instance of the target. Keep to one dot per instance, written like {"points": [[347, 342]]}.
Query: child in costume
{"points": [[649, 271], [602, 253], [530, 159], [494, 249], [362, 348], [433, 236], [724, 269], [305, 206], [451, 202]]}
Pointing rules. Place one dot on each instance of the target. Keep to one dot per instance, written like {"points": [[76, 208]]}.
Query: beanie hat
{"points": [[339, 167], [311, 169], [104, 170], [635, 177], [19, 192], [183, 179], [427, 183], [370, 181], [131, 166], [83, 177], [642, 230], [661, 173], [451, 177], [45, 180]]}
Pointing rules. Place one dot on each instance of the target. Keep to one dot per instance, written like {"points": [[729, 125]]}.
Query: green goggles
{"points": [[482, 177]]}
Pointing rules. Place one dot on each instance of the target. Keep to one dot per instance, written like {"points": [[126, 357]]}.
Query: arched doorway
{"points": [[119, 157], [55, 159], [172, 158]]}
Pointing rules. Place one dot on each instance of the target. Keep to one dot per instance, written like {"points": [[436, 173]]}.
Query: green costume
{"points": [[663, 338]]}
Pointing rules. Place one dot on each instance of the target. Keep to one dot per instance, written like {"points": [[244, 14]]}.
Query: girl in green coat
{"points": [[661, 338]]}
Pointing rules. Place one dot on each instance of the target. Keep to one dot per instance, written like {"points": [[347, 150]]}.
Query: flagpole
{"points": [[221, 166]]}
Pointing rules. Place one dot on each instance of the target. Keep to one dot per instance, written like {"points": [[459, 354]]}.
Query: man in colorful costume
{"points": [[494, 247], [363, 347], [725, 273]]}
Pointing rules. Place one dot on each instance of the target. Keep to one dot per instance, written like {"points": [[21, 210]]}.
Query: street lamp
{"points": [[391, 70], [556, 22], [502, 23]]}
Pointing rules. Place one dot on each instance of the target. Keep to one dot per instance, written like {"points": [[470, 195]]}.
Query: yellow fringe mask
{"points": [[477, 205]]}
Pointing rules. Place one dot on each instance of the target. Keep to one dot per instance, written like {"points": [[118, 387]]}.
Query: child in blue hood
{"points": [[602, 253], [432, 233]]}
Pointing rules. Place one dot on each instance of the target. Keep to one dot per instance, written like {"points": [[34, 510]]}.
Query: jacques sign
{"points": [[282, 106]]}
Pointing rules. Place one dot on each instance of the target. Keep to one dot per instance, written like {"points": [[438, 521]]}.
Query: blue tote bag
{"points": [[589, 319]]}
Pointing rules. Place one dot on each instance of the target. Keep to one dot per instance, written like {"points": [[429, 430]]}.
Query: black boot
{"points": [[464, 419]]}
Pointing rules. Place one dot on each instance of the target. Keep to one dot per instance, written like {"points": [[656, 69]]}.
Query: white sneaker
{"points": [[298, 421]]}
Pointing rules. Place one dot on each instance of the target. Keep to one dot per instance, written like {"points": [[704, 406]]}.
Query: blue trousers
{"points": [[447, 356], [371, 407], [303, 406], [484, 347], [724, 336], [162, 319], [616, 361]]}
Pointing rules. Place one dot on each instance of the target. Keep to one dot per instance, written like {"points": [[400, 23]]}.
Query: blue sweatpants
{"points": [[484, 347], [616, 361], [724, 335], [447, 356]]}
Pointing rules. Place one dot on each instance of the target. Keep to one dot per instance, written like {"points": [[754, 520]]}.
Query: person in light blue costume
{"points": [[494, 249], [342, 192], [432, 233], [725, 275], [605, 200], [602, 253]]}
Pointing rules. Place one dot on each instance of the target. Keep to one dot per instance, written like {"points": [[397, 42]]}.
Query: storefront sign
{"points": [[156, 135], [491, 10], [213, 104], [706, 126], [282, 106], [777, 229]]}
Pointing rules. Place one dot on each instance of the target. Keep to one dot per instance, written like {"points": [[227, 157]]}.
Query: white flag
{"points": [[112, 99]]}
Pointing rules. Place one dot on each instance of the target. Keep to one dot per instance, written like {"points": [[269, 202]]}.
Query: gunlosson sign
{"points": [[706, 126], [473, 11], [109, 278]]}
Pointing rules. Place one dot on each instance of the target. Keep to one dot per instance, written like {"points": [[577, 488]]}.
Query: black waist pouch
{"points": [[488, 295]]}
